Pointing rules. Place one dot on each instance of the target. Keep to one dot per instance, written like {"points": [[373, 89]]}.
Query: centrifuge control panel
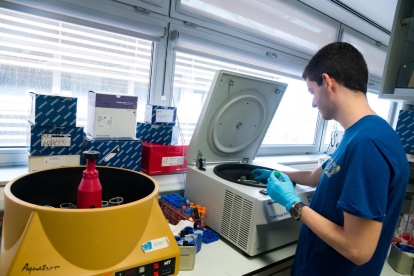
{"points": [[161, 268]]}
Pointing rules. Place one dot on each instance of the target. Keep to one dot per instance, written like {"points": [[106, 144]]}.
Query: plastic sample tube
{"points": [[202, 217], [173, 207], [183, 208], [278, 176], [187, 213], [162, 200]]}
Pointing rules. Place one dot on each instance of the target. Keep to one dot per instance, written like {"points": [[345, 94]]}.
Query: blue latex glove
{"points": [[261, 175], [282, 192]]}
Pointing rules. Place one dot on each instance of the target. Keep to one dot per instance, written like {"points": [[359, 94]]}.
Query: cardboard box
{"points": [[38, 163], [160, 159], [48, 110], [162, 135], [111, 115], [46, 140], [160, 115], [116, 152], [405, 130]]}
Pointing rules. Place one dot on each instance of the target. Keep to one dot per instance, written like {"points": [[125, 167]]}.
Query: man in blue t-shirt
{"points": [[360, 190]]}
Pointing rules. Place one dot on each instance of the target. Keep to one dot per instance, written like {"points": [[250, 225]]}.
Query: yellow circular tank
{"points": [[82, 241]]}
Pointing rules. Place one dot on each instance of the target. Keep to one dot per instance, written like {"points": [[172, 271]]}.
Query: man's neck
{"points": [[351, 108]]}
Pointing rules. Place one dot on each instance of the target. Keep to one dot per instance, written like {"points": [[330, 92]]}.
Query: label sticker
{"points": [[172, 161], [155, 244], [111, 154], [164, 116], [54, 160], [56, 140], [104, 121]]}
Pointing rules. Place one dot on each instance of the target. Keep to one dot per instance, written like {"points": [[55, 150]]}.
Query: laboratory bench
{"points": [[221, 258]]}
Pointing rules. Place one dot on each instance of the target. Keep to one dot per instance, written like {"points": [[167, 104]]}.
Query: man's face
{"points": [[321, 99]]}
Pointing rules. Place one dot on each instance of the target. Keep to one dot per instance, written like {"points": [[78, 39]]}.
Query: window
{"points": [[276, 21], [374, 55], [381, 107], [53, 57], [294, 121]]}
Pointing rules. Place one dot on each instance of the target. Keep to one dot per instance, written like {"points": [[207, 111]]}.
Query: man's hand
{"points": [[261, 175], [282, 192]]}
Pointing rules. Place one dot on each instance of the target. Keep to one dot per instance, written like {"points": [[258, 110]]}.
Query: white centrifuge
{"points": [[232, 125]]}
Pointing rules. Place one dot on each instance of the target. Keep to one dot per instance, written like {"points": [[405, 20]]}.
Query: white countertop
{"points": [[222, 258]]}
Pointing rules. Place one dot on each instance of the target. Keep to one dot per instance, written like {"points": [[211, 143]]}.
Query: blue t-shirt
{"points": [[366, 177]]}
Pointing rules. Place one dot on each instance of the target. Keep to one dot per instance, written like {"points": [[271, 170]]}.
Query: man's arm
{"points": [[308, 178], [356, 241]]}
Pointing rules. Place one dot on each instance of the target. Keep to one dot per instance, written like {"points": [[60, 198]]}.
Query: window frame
{"points": [[18, 155], [179, 14], [126, 19], [148, 7], [104, 15], [376, 44], [391, 120], [256, 49]]}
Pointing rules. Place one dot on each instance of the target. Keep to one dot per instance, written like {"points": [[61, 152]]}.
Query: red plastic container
{"points": [[406, 236], [394, 239], [174, 217], [90, 189], [161, 159]]}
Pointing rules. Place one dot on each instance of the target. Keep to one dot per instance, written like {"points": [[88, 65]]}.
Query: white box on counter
{"points": [[38, 163], [111, 115]]}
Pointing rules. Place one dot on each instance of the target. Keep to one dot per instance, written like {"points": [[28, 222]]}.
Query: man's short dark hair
{"points": [[341, 61]]}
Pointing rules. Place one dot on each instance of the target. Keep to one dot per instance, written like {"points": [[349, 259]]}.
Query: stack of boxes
{"points": [[160, 153], [110, 130], [53, 140]]}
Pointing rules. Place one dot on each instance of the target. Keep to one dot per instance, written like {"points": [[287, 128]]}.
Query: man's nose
{"points": [[313, 103]]}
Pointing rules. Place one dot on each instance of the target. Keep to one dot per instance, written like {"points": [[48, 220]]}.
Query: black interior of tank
{"points": [[232, 173], [56, 186]]}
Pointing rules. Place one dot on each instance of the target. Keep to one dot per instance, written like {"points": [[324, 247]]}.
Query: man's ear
{"points": [[329, 82]]}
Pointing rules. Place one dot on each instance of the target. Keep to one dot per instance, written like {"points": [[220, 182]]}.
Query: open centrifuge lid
{"points": [[235, 118]]}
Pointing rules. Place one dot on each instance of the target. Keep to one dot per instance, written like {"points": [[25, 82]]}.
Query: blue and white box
{"points": [[46, 140], [120, 152], [48, 110], [162, 135], [111, 115], [405, 129], [160, 115]]}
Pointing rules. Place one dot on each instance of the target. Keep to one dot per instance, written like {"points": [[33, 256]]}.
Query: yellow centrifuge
{"points": [[40, 238]]}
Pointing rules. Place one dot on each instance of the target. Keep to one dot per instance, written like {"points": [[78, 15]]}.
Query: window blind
{"points": [[53, 57], [294, 122]]}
